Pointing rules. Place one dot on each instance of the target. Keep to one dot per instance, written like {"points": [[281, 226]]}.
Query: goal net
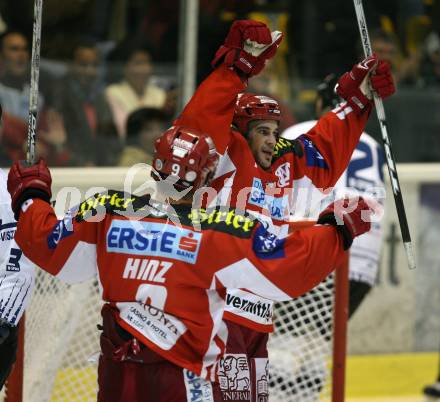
{"points": [[61, 341], [300, 347]]}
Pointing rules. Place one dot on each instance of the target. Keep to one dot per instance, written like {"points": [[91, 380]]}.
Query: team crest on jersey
{"points": [[283, 174], [153, 239], [267, 245]]}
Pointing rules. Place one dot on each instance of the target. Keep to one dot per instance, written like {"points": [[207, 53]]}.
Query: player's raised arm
{"points": [[281, 269], [328, 146], [60, 247], [246, 49]]}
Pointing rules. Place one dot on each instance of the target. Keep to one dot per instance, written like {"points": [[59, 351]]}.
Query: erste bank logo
{"points": [[153, 239]]}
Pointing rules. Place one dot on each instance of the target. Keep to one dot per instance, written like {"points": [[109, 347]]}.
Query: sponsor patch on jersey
{"points": [[285, 146], [153, 239], [113, 201], [261, 378], [249, 306], [122, 204], [228, 221], [234, 377], [197, 389], [7, 230], [257, 195], [159, 327], [313, 156], [62, 229], [266, 245], [276, 206]]}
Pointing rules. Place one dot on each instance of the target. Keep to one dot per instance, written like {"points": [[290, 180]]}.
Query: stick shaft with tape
{"points": [[35, 73]]}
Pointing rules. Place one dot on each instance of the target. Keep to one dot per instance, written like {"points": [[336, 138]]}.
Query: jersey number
{"points": [[13, 264], [365, 162]]}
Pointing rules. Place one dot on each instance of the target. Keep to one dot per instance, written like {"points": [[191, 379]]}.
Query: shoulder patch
{"points": [[284, 146], [113, 202], [313, 156], [228, 221], [266, 245]]}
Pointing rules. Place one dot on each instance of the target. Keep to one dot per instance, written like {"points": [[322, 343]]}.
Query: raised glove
{"points": [[25, 182], [350, 216], [248, 46], [353, 85], [382, 81]]}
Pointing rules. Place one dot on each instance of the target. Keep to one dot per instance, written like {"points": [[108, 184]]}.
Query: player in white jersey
{"points": [[363, 177], [16, 283]]}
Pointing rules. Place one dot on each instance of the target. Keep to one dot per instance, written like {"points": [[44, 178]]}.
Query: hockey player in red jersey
{"points": [[163, 291], [257, 168]]}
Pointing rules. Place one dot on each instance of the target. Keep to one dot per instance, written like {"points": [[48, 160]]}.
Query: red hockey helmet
{"points": [[251, 107], [186, 154]]}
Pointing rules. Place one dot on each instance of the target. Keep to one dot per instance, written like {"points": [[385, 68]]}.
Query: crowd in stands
{"points": [[82, 119], [105, 105]]}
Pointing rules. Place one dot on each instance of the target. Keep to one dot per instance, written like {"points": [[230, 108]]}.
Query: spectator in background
{"points": [[430, 64], [14, 97], [268, 83], [14, 92], [87, 118], [386, 47], [135, 90], [143, 127]]}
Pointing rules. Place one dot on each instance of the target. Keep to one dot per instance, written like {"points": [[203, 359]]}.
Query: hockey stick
{"points": [[35, 73], [380, 111]]}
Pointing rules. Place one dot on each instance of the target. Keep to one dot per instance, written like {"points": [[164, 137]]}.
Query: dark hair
{"points": [[119, 56], [326, 91], [125, 49], [378, 34], [139, 117], [82, 43], [11, 32]]}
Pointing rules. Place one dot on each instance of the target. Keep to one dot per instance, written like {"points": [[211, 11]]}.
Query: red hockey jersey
{"points": [[322, 154], [168, 281]]}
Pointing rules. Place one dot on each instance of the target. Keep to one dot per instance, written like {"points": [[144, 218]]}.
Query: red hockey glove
{"points": [[353, 86], [382, 81], [248, 46], [25, 182], [350, 216]]}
